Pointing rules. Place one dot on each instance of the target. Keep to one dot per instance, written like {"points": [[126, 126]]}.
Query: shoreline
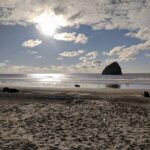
{"points": [[90, 90], [46, 95]]}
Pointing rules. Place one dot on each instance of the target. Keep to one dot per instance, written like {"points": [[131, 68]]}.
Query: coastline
{"points": [[77, 118], [32, 94]]}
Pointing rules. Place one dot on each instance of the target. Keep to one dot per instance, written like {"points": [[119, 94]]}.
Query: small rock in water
{"points": [[146, 94], [77, 85]]}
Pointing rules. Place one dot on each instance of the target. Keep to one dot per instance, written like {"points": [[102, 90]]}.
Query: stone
{"points": [[117, 86], [112, 69], [77, 85], [146, 94], [5, 89], [9, 90], [13, 90]]}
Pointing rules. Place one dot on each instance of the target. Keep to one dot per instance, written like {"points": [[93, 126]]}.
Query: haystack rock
{"points": [[112, 69]]}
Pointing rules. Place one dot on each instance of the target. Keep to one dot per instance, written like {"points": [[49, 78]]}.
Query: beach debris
{"points": [[9, 90], [146, 94], [77, 85]]}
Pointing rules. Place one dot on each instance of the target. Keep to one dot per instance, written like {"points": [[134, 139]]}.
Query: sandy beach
{"points": [[69, 119]]}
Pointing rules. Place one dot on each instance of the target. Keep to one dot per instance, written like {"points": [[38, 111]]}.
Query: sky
{"points": [[66, 36]]}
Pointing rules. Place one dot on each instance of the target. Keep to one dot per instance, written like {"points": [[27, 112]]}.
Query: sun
{"points": [[48, 23]]}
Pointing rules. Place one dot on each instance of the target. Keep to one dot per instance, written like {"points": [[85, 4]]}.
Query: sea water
{"points": [[95, 80]]}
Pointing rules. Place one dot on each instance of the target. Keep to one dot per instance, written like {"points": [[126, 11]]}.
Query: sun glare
{"points": [[48, 23]]}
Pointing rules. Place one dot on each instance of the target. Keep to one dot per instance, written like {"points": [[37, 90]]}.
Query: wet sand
{"points": [[74, 119]]}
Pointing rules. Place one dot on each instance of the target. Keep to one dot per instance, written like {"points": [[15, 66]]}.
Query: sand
{"points": [[69, 119]]}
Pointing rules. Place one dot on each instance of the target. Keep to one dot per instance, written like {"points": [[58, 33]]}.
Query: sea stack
{"points": [[112, 69]]}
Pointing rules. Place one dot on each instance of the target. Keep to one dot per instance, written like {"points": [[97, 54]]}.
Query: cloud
{"points": [[142, 34], [81, 38], [92, 55], [72, 53], [7, 61], [125, 53], [71, 37], [38, 57], [31, 43], [99, 14], [147, 55], [89, 62], [132, 15], [65, 36], [79, 67], [32, 52], [110, 60], [89, 57], [97, 62], [4, 63], [59, 58]]}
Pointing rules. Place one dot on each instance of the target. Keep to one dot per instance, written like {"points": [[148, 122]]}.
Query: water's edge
{"points": [[126, 81]]}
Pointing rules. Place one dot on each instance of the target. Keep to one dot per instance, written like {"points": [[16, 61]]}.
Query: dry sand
{"points": [[69, 119]]}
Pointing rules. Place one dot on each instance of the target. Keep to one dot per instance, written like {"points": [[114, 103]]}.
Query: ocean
{"points": [[95, 80]]}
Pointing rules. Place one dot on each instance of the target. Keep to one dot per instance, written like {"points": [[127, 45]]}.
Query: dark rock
{"points": [[6, 89], [112, 69], [13, 90], [116, 86], [146, 94], [77, 85]]}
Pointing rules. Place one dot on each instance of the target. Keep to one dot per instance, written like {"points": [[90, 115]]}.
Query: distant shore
{"points": [[77, 118]]}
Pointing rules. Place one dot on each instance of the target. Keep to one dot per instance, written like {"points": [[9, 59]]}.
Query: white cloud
{"points": [[84, 59], [31, 43], [65, 36], [38, 57], [115, 51], [142, 34], [92, 55], [71, 37], [80, 67], [2, 64], [81, 38], [87, 66], [7, 61], [110, 60], [32, 52], [59, 58], [147, 55], [125, 53], [89, 57], [72, 53], [89, 62]]}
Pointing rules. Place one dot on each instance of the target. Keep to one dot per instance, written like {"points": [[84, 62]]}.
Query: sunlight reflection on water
{"points": [[127, 81], [47, 77]]}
